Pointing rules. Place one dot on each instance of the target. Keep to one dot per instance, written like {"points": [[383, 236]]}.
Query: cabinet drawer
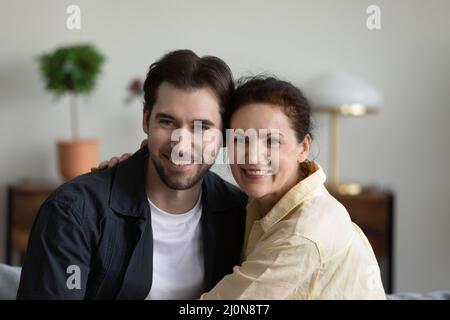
{"points": [[372, 213], [25, 207]]}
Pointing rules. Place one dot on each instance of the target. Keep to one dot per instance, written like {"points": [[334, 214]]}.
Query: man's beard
{"points": [[179, 183]]}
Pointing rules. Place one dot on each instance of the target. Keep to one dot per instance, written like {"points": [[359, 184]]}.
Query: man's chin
{"points": [[182, 180], [178, 183]]}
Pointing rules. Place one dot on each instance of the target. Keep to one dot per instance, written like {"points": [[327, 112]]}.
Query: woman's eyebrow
{"points": [[275, 133]]}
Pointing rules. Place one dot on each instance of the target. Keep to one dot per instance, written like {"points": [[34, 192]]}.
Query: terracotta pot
{"points": [[76, 157]]}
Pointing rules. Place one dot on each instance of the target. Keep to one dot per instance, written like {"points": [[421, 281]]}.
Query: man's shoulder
{"points": [[225, 192], [85, 189]]}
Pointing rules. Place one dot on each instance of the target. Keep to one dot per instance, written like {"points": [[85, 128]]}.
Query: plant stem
{"points": [[73, 117]]}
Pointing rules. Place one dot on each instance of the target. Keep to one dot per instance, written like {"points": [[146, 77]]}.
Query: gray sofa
{"points": [[9, 281], [10, 276]]}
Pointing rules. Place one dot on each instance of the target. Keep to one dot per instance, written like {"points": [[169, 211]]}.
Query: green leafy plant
{"points": [[71, 70]]}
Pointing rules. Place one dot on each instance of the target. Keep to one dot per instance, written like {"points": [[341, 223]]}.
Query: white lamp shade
{"points": [[336, 91]]}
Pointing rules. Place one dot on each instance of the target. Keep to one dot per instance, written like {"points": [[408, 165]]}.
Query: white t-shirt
{"points": [[178, 265]]}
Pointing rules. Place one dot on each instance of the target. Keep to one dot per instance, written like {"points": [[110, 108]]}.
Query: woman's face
{"points": [[271, 163]]}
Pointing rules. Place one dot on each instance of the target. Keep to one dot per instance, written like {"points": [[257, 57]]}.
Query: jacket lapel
{"points": [[215, 206], [209, 247], [128, 198], [137, 281], [210, 208]]}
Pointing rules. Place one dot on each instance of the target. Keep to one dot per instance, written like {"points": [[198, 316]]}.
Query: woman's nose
{"points": [[257, 153]]}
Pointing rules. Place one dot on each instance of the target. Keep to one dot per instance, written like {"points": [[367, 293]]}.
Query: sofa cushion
{"points": [[9, 281]]}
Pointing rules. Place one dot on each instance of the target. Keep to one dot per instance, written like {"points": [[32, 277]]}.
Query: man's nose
{"points": [[183, 141]]}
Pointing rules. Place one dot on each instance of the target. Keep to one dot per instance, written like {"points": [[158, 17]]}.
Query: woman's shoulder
{"points": [[325, 221]]}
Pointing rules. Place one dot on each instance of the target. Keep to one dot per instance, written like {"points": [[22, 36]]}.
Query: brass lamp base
{"points": [[351, 189]]}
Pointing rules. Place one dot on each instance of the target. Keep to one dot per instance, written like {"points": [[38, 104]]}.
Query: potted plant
{"points": [[72, 71]]}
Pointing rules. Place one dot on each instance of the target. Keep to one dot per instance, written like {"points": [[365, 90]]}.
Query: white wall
{"points": [[405, 147]]}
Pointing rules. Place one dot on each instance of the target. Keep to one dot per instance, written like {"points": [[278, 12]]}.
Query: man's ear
{"points": [[145, 120], [306, 144]]}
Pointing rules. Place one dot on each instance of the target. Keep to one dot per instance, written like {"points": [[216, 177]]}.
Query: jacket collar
{"points": [[213, 196], [128, 196]]}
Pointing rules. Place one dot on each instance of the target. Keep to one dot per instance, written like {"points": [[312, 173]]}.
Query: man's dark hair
{"points": [[185, 70]]}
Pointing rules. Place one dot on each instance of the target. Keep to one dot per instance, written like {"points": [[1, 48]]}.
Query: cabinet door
{"points": [[24, 202], [373, 213]]}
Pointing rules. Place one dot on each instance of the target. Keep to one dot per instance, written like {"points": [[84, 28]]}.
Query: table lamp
{"points": [[341, 94]]}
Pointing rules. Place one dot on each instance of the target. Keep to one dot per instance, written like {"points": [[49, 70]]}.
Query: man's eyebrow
{"points": [[205, 122], [164, 115]]}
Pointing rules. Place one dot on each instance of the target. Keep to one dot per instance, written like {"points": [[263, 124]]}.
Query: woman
{"points": [[300, 242]]}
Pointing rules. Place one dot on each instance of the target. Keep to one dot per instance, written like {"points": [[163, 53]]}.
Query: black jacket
{"points": [[100, 223]]}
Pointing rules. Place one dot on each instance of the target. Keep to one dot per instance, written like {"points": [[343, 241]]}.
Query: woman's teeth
{"points": [[258, 172]]}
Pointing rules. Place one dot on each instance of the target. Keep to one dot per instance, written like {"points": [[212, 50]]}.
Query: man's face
{"points": [[175, 154]]}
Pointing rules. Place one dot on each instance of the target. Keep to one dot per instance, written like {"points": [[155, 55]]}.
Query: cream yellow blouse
{"points": [[306, 247]]}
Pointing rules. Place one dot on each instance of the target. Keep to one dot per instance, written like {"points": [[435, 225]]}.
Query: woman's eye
{"points": [[272, 141]]}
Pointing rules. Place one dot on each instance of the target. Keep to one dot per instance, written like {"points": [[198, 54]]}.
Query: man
{"points": [[156, 226]]}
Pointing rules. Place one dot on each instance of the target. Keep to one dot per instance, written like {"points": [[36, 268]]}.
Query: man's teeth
{"points": [[181, 162], [258, 172]]}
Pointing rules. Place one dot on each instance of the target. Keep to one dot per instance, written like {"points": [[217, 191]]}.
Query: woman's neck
{"points": [[267, 202]]}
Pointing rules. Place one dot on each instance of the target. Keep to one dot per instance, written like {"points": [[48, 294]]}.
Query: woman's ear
{"points": [[145, 120], [305, 144]]}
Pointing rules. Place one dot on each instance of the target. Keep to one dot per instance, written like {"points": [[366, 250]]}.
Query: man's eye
{"points": [[165, 122], [241, 139], [204, 127]]}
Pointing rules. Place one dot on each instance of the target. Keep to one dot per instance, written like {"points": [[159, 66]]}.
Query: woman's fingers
{"points": [[125, 156], [103, 165], [144, 142], [111, 162]]}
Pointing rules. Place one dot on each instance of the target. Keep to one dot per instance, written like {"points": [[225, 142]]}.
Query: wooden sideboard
{"points": [[373, 211], [24, 200]]}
